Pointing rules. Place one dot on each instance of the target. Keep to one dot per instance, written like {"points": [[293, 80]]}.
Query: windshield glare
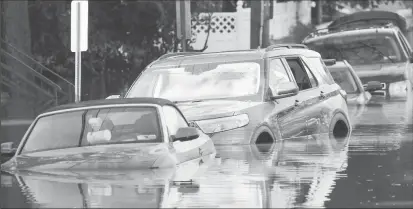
{"points": [[94, 127], [360, 49], [200, 82], [345, 80]]}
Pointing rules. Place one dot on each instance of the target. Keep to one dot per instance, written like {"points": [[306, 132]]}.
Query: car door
{"points": [[308, 98], [187, 150], [284, 109], [326, 91]]}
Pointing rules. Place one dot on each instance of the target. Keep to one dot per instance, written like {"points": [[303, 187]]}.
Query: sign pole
{"points": [[79, 40], [78, 60]]}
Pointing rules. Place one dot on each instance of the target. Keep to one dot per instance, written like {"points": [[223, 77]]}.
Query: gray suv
{"points": [[374, 44]]}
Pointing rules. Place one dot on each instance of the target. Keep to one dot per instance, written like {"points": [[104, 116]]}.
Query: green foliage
{"points": [[124, 36]]}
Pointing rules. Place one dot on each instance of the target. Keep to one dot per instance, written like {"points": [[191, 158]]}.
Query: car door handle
{"points": [[297, 103], [322, 95]]}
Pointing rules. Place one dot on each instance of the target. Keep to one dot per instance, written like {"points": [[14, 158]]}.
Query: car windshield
{"points": [[359, 49], [94, 127], [345, 80], [199, 82]]}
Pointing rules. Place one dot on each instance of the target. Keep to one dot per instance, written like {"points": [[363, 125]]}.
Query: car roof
{"points": [[338, 34], [233, 56], [361, 16], [121, 101]]}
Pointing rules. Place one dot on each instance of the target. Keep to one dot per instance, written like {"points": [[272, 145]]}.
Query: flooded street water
{"points": [[372, 168]]}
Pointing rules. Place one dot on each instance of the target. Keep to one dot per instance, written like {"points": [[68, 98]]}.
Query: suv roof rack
{"points": [[288, 46], [178, 54]]}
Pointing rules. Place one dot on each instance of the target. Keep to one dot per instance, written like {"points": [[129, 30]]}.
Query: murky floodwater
{"points": [[372, 168]]}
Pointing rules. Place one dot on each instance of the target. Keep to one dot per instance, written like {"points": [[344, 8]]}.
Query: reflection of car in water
{"points": [[373, 45], [121, 188], [291, 173], [248, 97], [109, 134]]}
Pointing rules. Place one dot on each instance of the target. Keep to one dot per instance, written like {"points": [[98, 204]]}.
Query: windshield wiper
{"points": [[376, 50]]}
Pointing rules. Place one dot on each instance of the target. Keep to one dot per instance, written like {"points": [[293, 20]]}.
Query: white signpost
{"points": [[79, 39]]}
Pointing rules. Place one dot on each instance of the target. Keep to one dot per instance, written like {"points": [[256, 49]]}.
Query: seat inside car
{"points": [[146, 124]]}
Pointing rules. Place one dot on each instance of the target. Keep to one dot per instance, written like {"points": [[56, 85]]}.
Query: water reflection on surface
{"points": [[372, 168]]}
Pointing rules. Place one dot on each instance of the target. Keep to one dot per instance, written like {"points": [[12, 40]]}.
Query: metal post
{"points": [[183, 25], [78, 61], [319, 9]]}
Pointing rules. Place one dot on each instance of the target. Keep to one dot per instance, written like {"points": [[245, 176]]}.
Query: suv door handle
{"points": [[322, 95], [297, 103]]}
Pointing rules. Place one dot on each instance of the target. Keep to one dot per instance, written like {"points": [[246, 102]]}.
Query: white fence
{"points": [[229, 30]]}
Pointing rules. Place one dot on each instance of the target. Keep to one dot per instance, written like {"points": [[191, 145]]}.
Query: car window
{"points": [[55, 132], [277, 74], [311, 76], [121, 125], [201, 81], [299, 73], [368, 49], [405, 44], [174, 119], [320, 70], [94, 127], [345, 80]]}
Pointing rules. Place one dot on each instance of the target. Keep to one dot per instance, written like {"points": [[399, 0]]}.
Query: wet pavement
{"points": [[372, 168]]}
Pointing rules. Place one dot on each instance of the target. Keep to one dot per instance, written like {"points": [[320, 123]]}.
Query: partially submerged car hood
{"points": [[213, 108], [387, 73], [116, 156]]}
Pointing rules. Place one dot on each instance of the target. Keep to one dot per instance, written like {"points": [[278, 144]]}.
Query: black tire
{"points": [[263, 135], [339, 129]]}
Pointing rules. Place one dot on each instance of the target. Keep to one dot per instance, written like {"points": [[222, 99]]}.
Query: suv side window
{"points": [[277, 74], [320, 70], [311, 76], [299, 73], [174, 119]]}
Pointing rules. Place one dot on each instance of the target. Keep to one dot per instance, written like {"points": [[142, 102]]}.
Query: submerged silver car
{"points": [[109, 134]]}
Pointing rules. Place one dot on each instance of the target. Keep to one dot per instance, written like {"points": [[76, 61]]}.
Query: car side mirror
{"points": [[7, 149], [286, 90], [113, 97], [329, 62], [372, 86], [186, 134]]}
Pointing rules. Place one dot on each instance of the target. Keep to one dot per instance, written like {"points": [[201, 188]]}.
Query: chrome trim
{"points": [[24, 138]]}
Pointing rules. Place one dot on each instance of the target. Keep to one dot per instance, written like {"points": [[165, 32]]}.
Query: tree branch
{"points": [[208, 34]]}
